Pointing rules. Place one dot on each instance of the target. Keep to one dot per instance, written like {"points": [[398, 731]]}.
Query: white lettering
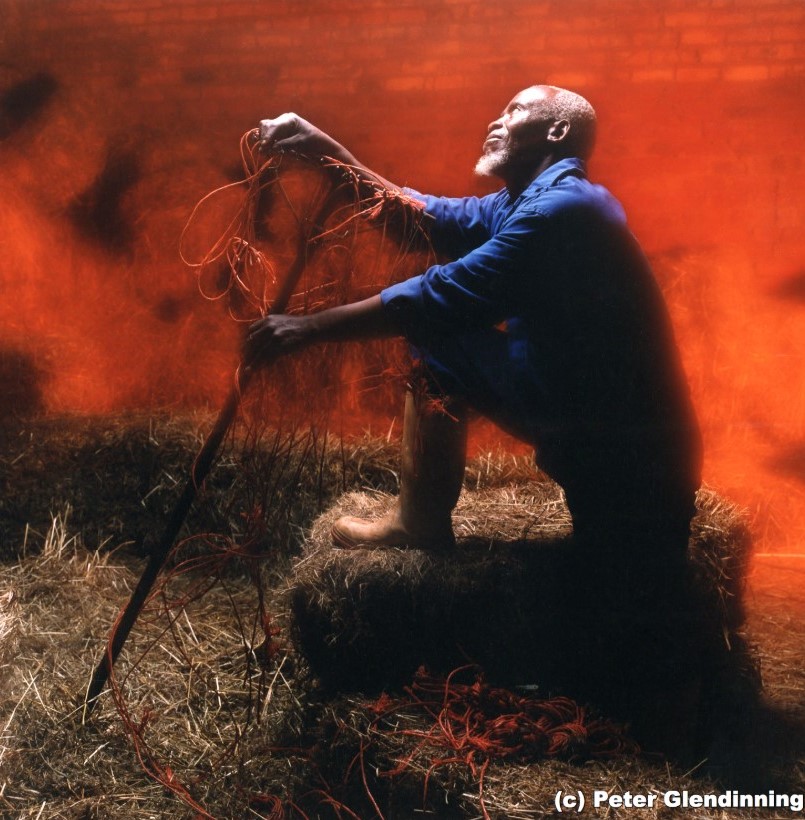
{"points": [[726, 800], [626, 800]]}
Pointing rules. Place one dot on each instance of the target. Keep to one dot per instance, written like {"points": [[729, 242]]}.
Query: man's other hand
{"points": [[274, 336]]}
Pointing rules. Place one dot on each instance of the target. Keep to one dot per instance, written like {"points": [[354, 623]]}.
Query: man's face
{"points": [[517, 136]]}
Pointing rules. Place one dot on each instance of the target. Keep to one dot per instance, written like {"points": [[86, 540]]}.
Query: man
{"points": [[548, 321]]}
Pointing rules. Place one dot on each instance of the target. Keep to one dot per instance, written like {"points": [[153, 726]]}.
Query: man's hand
{"points": [[290, 132], [276, 335]]}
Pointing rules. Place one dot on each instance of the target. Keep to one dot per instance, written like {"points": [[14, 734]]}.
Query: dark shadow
{"points": [[171, 309], [21, 382], [23, 102], [758, 747], [98, 212], [790, 461], [792, 289]]}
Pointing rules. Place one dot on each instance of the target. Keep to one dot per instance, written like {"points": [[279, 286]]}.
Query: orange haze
{"points": [[101, 170]]}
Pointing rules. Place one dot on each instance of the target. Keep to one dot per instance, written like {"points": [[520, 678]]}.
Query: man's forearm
{"points": [[365, 174], [291, 132], [279, 334], [359, 320]]}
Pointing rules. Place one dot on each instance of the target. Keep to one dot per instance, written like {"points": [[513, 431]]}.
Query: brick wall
{"points": [[690, 92]]}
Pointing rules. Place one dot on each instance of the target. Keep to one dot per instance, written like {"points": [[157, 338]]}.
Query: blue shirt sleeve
{"points": [[480, 289], [459, 223]]}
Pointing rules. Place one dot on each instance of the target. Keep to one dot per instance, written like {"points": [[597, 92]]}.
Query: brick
{"points": [[793, 34], [653, 75], [404, 84], [488, 12], [664, 38], [573, 79], [408, 15], [150, 5], [531, 10], [749, 34], [736, 18], [702, 36], [448, 82], [162, 15], [713, 55], [635, 57], [785, 72], [697, 74], [198, 13], [687, 19], [130, 18], [664, 57], [610, 40], [746, 73], [578, 42], [783, 13], [784, 51]]}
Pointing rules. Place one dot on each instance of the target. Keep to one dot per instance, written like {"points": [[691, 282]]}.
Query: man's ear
{"points": [[558, 131]]}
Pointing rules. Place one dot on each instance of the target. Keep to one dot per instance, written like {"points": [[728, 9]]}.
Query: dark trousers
{"points": [[629, 491]]}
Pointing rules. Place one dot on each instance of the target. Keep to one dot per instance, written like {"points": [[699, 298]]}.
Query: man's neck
{"points": [[521, 178]]}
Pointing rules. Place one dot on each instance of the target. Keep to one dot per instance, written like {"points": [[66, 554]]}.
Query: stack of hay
{"points": [[514, 599]]}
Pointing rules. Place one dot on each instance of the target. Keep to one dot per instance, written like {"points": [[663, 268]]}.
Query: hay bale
{"points": [[9, 626], [367, 619], [515, 599]]}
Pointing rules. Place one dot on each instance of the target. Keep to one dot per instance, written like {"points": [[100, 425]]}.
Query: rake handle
{"points": [[201, 468]]}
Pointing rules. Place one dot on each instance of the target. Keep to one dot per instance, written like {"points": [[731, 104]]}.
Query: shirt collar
{"points": [[570, 166], [551, 175]]}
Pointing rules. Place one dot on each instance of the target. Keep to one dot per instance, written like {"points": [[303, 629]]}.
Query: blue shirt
{"points": [[503, 250], [586, 324]]}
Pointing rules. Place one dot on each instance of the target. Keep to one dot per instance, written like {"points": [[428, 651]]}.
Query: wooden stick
{"points": [[201, 467]]}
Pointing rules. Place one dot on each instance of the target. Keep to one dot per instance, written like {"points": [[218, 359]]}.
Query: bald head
{"points": [[561, 104]]}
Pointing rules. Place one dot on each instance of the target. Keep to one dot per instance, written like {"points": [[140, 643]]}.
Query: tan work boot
{"points": [[434, 447]]}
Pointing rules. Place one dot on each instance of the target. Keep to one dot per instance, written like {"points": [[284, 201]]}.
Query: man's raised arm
{"points": [[276, 335]]}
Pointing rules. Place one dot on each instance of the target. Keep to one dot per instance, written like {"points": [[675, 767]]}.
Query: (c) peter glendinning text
{"points": [[575, 801]]}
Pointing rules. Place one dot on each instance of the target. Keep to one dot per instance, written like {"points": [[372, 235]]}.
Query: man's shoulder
{"points": [[569, 192]]}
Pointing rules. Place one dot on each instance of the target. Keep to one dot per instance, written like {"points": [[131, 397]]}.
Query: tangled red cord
{"points": [[476, 724], [482, 721]]}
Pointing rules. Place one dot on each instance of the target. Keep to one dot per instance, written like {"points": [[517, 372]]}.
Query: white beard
{"points": [[491, 162]]}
